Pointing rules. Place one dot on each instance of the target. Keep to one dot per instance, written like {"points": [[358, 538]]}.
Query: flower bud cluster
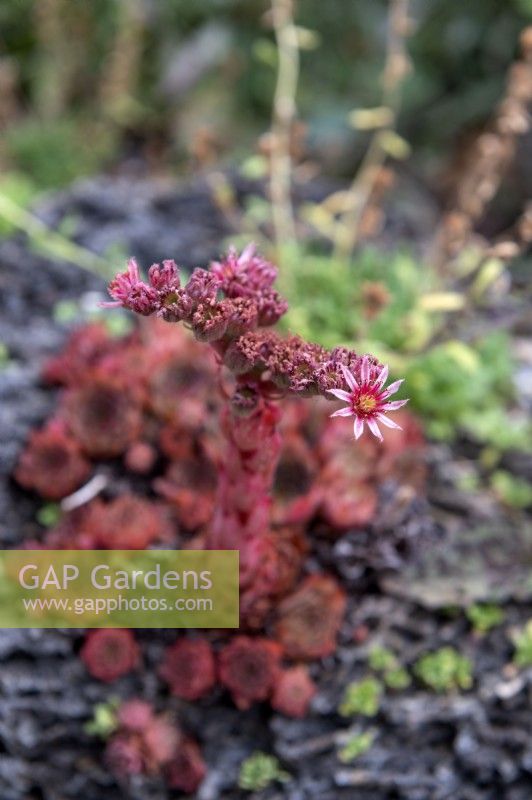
{"points": [[295, 365], [233, 297]]}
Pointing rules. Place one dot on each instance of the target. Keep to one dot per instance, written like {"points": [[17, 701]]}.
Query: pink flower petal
{"points": [[364, 370], [393, 387], [358, 427], [109, 304], [394, 405], [374, 428], [388, 422], [340, 394], [133, 270], [247, 253], [349, 377], [382, 376], [343, 412]]}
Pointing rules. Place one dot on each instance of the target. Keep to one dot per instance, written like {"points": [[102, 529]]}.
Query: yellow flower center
{"points": [[366, 402]]}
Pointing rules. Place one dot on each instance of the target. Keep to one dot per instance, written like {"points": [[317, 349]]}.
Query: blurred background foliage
{"points": [[390, 305], [87, 85]]}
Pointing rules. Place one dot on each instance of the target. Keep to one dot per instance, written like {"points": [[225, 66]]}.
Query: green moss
{"points": [[484, 617], [453, 385], [523, 646], [356, 746], [4, 355], [381, 659], [328, 299], [259, 770], [361, 697], [397, 678], [445, 670], [513, 491], [56, 152]]}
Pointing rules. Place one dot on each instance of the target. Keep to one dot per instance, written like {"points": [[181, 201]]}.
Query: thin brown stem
{"points": [[284, 112], [395, 68]]}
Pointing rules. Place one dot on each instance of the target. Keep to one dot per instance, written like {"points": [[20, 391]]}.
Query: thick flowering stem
{"points": [[253, 446], [232, 307], [242, 514]]}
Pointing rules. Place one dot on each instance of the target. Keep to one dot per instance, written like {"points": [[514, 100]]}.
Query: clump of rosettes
{"points": [[308, 620], [293, 692], [52, 463], [109, 653], [189, 668], [135, 715], [178, 367], [218, 463], [189, 485], [187, 767], [126, 523], [103, 416], [161, 739], [123, 756], [143, 743], [85, 348], [343, 504], [348, 480], [296, 499], [249, 668]]}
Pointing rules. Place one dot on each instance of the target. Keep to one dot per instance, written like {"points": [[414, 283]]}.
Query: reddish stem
{"points": [[242, 516]]}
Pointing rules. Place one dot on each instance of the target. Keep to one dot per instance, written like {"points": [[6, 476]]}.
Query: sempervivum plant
{"points": [[232, 307], [53, 463], [217, 446], [147, 743]]}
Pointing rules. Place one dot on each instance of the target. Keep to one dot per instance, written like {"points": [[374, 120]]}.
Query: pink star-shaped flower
{"points": [[367, 399]]}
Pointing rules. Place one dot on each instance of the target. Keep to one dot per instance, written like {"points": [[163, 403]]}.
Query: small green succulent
{"points": [[104, 720], [356, 746], [484, 617], [515, 492], [393, 674], [397, 678], [49, 515], [361, 697], [4, 355], [445, 670], [380, 659], [523, 646], [259, 770]]}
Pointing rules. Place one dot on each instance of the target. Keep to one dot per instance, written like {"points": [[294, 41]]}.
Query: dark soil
{"points": [[473, 745]]}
